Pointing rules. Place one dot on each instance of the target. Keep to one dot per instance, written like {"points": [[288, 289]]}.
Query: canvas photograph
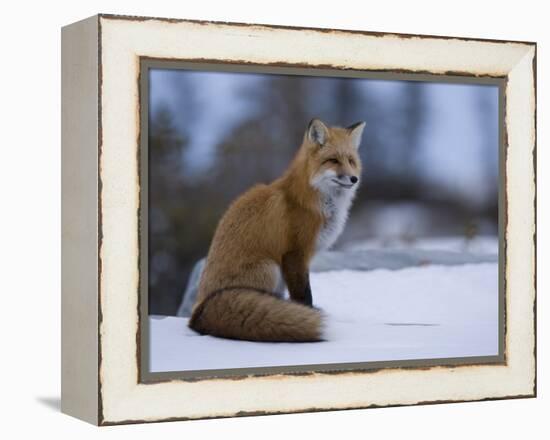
{"points": [[262, 219], [320, 222]]}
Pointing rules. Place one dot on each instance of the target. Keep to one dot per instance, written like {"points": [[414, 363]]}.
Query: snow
{"points": [[381, 253], [380, 315]]}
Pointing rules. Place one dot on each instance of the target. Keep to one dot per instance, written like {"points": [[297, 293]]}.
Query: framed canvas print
{"points": [[262, 219]]}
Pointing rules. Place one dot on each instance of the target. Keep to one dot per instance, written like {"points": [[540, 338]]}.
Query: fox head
{"points": [[334, 164]]}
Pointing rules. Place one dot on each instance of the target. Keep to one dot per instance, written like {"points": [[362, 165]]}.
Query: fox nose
{"points": [[353, 179]]}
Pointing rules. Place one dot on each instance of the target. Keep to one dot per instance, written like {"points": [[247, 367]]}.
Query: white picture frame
{"points": [[102, 198]]}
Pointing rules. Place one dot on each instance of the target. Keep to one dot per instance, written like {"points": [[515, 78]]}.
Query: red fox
{"points": [[272, 231]]}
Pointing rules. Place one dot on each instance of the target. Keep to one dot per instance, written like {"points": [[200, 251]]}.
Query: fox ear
{"points": [[355, 133], [317, 132]]}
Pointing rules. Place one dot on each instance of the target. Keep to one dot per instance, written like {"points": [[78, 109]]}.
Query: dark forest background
{"points": [[430, 153]]}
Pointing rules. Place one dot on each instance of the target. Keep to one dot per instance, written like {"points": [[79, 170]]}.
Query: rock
{"points": [[192, 287], [392, 259]]}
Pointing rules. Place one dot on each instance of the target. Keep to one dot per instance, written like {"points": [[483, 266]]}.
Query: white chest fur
{"points": [[335, 206]]}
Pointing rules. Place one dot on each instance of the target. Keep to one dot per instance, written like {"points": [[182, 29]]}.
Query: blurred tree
{"points": [[413, 111], [391, 141], [260, 148], [183, 215], [347, 102], [489, 127]]}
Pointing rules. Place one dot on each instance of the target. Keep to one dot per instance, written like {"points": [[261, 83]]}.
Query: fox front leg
{"points": [[296, 275]]}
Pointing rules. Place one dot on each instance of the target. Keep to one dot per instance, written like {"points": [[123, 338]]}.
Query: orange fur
{"points": [[268, 230]]}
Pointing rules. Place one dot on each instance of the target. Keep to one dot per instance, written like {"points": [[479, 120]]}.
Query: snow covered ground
{"points": [[414, 313]]}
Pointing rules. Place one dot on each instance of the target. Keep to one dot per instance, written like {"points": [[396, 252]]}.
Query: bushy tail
{"points": [[254, 316]]}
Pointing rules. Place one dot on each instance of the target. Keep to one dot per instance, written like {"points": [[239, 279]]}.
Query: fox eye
{"points": [[351, 162], [332, 160]]}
